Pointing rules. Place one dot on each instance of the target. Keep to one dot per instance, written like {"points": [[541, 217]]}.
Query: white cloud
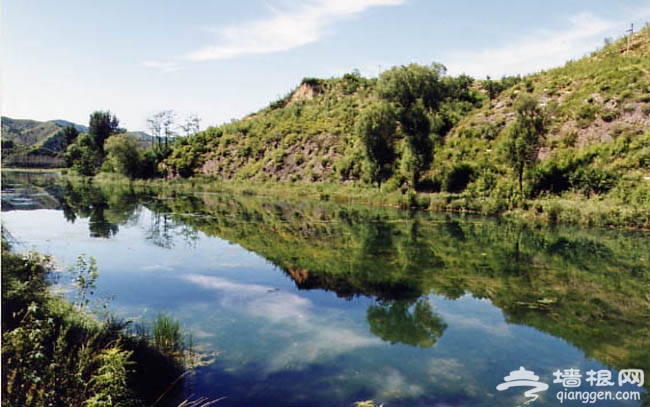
{"points": [[539, 50], [284, 29], [163, 66]]}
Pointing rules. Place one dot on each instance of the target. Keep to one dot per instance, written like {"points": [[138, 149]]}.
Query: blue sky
{"points": [[224, 59]]}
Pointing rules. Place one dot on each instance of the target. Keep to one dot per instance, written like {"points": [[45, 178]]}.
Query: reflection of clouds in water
{"points": [[256, 300], [157, 267], [394, 384], [223, 284], [453, 375], [320, 334], [470, 313], [321, 340], [495, 328], [446, 370]]}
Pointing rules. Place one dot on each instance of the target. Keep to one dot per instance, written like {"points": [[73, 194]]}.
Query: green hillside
{"points": [[417, 129], [31, 143], [30, 133]]}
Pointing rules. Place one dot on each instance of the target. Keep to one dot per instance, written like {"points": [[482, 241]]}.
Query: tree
{"points": [[415, 92], [404, 85], [167, 121], [161, 125], [70, 134], [191, 125], [417, 130], [101, 126], [123, 155], [82, 156], [524, 136], [376, 128], [155, 126]]}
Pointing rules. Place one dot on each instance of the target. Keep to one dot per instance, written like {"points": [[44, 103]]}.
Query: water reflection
{"points": [[590, 288], [407, 323]]}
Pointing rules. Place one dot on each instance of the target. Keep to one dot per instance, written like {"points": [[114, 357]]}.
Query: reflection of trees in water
{"points": [[414, 324], [165, 228], [98, 225], [164, 231], [159, 231], [86, 201], [108, 207]]}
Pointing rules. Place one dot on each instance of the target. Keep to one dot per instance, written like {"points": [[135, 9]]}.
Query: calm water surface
{"points": [[314, 303]]}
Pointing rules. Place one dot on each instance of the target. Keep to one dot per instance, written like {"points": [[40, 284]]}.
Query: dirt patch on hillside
{"points": [[304, 92]]}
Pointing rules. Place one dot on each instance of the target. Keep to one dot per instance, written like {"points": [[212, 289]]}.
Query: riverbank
{"points": [[610, 211], [569, 208], [55, 353]]}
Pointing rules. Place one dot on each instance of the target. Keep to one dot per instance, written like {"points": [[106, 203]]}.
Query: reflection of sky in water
{"points": [[277, 345]]}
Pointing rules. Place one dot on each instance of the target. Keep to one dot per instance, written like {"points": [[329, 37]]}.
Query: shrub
{"points": [[458, 177]]}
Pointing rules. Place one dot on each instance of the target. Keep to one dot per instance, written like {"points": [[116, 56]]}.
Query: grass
{"points": [[618, 209], [54, 354]]}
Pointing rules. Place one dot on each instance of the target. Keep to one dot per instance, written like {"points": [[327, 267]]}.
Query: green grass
{"points": [[622, 207], [53, 354]]}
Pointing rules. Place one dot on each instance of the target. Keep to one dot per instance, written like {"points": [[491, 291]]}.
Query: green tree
{"points": [[376, 128], [415, 91], [82, 156], [70, 134], [101, 126], [524, 136], [405, 85], [124, 155], [416, 127]]}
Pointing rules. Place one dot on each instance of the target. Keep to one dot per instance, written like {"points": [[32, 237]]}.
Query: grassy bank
{"points": [[56, 354], [624, 208], [569, 208]]}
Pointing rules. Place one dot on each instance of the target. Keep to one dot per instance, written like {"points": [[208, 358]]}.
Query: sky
{"points": [[224, 59]]}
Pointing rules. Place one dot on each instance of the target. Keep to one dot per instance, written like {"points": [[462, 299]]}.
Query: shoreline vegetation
{"points": [[566, 209], [59, 353]]}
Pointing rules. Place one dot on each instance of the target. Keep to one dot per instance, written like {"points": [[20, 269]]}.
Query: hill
{"points": [[417, 129], [30, 133], [29, 143]]}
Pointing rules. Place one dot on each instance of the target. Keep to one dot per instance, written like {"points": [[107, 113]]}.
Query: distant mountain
{"points": [[30, 133], [144, 139], [80, 127], [32, 143], [35, 134]]}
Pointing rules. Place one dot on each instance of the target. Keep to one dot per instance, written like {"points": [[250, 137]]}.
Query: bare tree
{"points": [[154, 123], [161, 125], [191, 125], [167, 121]]}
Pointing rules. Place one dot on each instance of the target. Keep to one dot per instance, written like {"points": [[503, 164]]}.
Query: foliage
{"points": [[70, 134], [84, 277], [401, 322], [83, 156], [101, 126], [458, 177], [524, 136], [55, 355], [376, 127], [167, 334], [125, 156]]}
